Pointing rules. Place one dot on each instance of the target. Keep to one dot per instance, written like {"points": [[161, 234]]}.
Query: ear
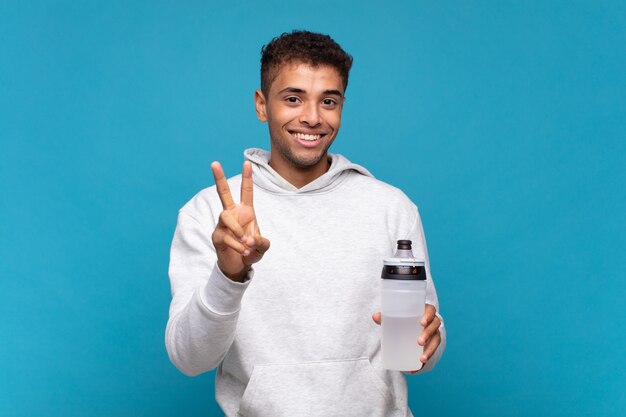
{"points": [[260, 105]]}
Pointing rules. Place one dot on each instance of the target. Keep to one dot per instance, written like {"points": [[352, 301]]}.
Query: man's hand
{"points": [[430, 337], [237, 239]]}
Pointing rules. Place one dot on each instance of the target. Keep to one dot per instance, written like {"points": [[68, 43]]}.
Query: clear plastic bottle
{"points": [[403, 293]]}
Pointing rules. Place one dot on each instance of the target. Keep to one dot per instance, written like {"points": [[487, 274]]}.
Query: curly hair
{"points": [[310, 48]]}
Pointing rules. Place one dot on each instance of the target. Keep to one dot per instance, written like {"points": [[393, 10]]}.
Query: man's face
{"points": [[303, 110]]}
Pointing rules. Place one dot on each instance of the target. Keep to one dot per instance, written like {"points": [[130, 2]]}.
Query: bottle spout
{"points": [[404, 249]]}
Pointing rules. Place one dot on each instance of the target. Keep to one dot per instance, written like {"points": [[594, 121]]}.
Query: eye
{"points": [[291, 99], [329, 102]]}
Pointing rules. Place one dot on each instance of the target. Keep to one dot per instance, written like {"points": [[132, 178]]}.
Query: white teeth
{"points": [[306, 137]]}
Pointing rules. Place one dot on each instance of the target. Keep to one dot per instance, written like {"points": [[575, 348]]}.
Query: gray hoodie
{"points": [[297, 338]]}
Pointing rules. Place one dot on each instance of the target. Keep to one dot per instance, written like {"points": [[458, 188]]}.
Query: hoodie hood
{"points": [[265, 177]]}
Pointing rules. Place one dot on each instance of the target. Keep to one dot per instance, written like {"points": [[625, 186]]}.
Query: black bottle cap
{"points": [[404, 244], [405, 267]]}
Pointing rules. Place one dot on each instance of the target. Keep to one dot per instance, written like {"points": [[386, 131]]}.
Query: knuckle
{"points": [[225, 193], [217, 236]]}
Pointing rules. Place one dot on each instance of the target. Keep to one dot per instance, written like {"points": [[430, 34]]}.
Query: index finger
{"points": [[246, 184], [223, 190]]}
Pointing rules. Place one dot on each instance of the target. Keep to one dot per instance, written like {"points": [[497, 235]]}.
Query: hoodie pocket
{"points": [[329, 388]]}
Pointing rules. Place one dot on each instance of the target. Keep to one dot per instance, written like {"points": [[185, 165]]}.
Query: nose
{"points": [[310, 114]]}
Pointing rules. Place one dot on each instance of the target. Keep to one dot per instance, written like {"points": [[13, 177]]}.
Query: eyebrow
{"points": [[300, 91]]}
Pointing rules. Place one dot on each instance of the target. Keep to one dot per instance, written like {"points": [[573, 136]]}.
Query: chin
{"points": [[307, 161]]}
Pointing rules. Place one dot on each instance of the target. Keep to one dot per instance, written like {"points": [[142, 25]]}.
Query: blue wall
{"points": [[504, 121]]}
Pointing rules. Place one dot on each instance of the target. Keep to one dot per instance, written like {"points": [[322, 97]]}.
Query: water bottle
{"points": [[403, 291]]}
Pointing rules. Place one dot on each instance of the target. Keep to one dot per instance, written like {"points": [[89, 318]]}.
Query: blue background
{"points": [[504, 121]]}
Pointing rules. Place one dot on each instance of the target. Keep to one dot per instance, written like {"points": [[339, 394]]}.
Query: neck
{"points": [[300, 176]]}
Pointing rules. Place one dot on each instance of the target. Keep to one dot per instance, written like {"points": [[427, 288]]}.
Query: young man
{"points": [[290, 327]]}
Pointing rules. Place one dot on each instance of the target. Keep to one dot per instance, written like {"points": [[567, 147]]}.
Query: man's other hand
{"points": [[430, 337]]}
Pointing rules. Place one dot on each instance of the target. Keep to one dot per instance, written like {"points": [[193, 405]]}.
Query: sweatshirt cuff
{"points": [[222, 295]]}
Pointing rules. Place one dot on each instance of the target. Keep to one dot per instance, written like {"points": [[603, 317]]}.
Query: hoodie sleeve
{"points": [[421, 251], [205, 303]]}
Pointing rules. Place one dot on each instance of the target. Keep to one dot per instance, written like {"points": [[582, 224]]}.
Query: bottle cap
{"points": [[404, 266], [404, 244]]}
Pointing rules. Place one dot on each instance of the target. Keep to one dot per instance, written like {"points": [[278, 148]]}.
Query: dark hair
{"points": [[302, 46]]}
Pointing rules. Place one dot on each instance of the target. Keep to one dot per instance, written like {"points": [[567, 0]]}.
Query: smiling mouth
{"points": [[306, 136]]}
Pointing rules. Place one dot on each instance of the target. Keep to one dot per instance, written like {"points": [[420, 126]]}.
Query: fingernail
{"points": [[246, 252], [243, 238]]}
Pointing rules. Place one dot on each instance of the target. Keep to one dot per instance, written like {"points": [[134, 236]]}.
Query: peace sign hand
{"points": [[237, 239]]}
